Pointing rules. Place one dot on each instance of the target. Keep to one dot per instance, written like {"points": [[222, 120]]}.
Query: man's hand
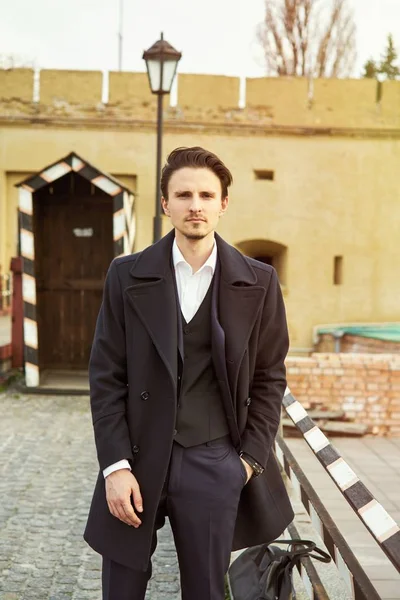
{"points": [[119, 487], [249, 469]]}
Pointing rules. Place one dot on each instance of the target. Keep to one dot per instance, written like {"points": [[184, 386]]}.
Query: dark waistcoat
{"points": [[200, 414]]}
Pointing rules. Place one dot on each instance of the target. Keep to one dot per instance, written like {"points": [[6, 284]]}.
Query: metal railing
{"points": [[374, 517], [309, 575], [5, 291]]}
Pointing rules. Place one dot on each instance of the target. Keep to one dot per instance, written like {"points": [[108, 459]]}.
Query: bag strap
{"points": [[311, 547], [308, 547], [323, 556], [296, 542]]}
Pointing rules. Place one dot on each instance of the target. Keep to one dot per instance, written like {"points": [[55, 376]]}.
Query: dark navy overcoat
{"points": [[133, 388]]}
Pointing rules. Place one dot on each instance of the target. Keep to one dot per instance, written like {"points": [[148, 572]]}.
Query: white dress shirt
{"points": [[192, 288]]}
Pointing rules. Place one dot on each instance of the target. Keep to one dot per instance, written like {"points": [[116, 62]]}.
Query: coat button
{"points": [[248, 402], [175, 432], [135, 449], [145, 395]]}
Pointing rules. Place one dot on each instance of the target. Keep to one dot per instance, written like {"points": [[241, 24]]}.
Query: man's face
{"points": [[195, 202]]}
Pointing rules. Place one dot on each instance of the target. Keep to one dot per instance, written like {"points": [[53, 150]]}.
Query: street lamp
{"points": [[161, 63]]}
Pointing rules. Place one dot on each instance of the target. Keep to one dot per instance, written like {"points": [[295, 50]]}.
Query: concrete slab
{"points": [[5, 329], [63, 380], [52, 382]]}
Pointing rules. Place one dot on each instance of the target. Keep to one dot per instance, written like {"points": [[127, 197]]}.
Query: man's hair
{"points": [[197, 158]]}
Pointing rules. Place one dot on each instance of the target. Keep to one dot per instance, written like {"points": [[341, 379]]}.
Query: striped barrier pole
{"points": [[376, 519], [354, 577]]}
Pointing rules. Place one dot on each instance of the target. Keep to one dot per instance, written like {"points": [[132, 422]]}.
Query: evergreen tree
{"points": [[370, 69], [388, 66]]}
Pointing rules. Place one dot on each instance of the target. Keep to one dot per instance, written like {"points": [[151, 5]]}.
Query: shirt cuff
{"points": [[121, 464]]}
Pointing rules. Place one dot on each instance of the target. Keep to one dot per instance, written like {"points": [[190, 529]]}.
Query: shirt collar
{"points": [[178, 258]]}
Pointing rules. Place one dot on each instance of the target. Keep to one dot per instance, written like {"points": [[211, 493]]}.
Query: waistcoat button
{"points": [[145, 395], [248, 402], [135, 449]]}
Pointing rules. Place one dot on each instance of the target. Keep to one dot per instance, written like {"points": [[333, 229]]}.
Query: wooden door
{"points": [[73, 250]]}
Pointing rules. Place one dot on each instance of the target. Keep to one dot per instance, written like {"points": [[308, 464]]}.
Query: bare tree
{"points": [[308, 38]]}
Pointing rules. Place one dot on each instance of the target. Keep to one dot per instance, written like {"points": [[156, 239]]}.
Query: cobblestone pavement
{"points": [[48, 468]]}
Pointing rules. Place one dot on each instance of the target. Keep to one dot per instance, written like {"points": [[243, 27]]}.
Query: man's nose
{"points": [[195, 205]]}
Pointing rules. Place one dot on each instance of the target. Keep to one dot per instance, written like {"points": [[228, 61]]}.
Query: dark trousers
{"points": [[200, 497]]}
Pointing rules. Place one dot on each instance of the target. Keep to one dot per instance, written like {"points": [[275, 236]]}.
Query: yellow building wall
{"points": [[345, 102], [82, 87], [333, 194], [124, 88], [282, 99], [16, 83], [204, 91], [391, 102]]}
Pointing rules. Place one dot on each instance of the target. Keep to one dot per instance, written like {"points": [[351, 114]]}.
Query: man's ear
{"points": [[224, 205], [164, 204]]}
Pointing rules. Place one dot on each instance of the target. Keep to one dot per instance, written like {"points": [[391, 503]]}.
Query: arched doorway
{"points": [[269, 252], [74, 220]]}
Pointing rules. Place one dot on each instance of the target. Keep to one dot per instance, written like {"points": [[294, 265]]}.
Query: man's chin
{"points": [[195, 232], [195, 236]]}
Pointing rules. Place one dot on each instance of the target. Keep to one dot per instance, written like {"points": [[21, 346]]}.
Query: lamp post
{"points": [[161, 63]]}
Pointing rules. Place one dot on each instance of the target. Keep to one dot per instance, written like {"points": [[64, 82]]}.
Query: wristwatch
{"points": [[257, 468]]}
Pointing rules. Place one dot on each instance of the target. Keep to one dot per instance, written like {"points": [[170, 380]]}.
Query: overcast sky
{"points": [[215, 36]]}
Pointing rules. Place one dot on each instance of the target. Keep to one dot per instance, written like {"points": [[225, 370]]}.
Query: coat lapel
{"points": [[153, 298], [239, 302]]}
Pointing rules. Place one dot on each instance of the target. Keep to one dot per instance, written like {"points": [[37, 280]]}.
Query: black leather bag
{"points": [[265, 572]]}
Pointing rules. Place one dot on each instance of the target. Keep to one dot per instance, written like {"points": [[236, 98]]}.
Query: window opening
{"points": [[264, 174], [338, 270]]}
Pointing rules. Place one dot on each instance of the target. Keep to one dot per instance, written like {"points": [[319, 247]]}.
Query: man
{"points": [[187, 377]]}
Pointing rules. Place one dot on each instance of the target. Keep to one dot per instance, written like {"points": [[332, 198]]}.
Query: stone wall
{"points": [[130, 88], [16, 84], [332, 149], [75, 87], [208, 91], [284, 101], [365, 386]]}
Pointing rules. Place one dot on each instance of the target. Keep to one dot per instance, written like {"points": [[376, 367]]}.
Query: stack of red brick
{"points": [[365, 386]]}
